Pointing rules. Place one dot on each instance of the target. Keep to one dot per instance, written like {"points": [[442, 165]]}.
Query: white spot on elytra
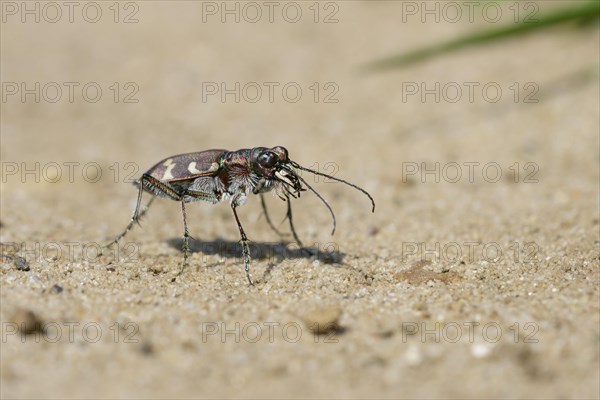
{"points": [[192, 168], [170, 165]]}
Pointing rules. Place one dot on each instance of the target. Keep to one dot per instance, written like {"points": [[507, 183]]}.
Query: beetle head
{"points": [[267, 159], [273, 164]]}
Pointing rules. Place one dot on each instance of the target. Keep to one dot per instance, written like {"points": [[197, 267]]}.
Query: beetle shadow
{"points": [[279, 251]]}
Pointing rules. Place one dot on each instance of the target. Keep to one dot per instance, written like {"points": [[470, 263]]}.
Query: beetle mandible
{"points": [[219, 175]]}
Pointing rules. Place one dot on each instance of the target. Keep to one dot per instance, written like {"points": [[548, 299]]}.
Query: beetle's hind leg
{"points": [[135, 218], [156, 188]]}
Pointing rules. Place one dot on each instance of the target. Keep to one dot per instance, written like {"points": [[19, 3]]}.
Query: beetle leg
{"points": [[144, 210], [186, 235], [267, 217], [290, 220], [202, 195], [137, 215], [146, 182], [245, 247], [158, 188]]}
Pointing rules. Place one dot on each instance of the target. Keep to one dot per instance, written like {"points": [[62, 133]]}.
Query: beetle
{"points": [[222, 175]]}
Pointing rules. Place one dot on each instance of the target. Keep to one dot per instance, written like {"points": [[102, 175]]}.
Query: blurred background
{"points": [[468, 122]]}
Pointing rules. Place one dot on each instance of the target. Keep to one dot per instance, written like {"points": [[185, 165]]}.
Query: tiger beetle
{"points": [[219, 175]]}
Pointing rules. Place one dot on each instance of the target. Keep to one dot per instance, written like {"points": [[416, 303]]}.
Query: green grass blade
{"points": [[590, 10]]}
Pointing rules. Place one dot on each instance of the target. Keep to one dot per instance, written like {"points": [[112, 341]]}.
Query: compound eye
{"points": [[267, 159]]}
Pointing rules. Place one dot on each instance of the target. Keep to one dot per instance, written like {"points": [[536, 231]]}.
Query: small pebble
{"points": [[147, 348], [21, 264], [27, 321], [56, 289], [323, 320], [413, 356], [373, 231], [481, 350]]}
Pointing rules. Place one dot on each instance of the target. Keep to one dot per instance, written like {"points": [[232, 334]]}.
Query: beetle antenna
{"points": [[320, 198], [296, 165]]}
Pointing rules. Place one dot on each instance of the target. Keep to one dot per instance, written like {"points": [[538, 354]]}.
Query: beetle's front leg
{"points": [[267, 217], [293, 229], [244, 241]]}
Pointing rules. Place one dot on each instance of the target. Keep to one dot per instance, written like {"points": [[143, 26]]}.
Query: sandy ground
{"points": [[470, 285]]}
